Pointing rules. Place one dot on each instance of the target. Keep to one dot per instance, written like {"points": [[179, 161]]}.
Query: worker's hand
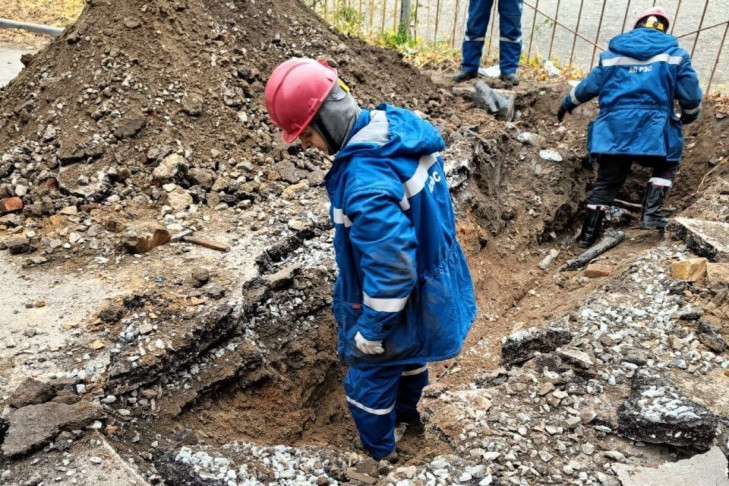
{"points": [[561, 113], [368, 347]]}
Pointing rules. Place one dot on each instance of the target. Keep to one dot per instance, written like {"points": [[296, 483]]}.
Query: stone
{"points": [[131, 23], [576, 358], [204, 178], [18, 245], [179, 199], [708, 239], [362, 478], [130, 129], [31, 392], [170, 166], [550, 155], [711, 338], [691, 270], [597, 270], [142, 237], [11, 204], [201, 276], [33, 426], [656, 412], [709, 469], [523, 345], [192, 105], [717, 273], [215, 292], [636, 356]]}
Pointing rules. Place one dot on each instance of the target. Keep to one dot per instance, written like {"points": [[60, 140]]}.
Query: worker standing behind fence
{"points": [[404, 294], [637, 80], [479, 14]]}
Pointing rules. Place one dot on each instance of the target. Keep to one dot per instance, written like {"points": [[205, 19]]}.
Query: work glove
{"points": [[561, 113], [689, 118], [368, 347]]}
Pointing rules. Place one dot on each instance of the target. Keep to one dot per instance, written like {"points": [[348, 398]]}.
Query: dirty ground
{"points": [[132, 354]]}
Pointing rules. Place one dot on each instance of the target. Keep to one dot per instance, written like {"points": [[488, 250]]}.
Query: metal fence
{"points": [[568, 32]]}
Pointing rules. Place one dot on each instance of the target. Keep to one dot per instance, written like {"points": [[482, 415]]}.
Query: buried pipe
{"points": [[38, 29]]}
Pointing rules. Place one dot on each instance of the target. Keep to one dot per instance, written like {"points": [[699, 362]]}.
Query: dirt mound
{"points": [[98, 110]]}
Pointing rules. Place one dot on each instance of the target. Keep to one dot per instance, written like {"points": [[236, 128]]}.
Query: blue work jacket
{"points": [[637, 81], [403, 278]]}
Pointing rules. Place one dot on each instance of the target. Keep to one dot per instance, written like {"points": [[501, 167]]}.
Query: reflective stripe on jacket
{"points": [[403, 277], [637, 81]]}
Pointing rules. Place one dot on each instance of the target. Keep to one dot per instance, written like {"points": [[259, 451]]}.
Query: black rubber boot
{"points": [[651, 217], [591, 228], [464, 76], [509, 78]]}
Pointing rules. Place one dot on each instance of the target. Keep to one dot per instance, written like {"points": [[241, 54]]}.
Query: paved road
{"points": [[614, 22], [10, 64]]}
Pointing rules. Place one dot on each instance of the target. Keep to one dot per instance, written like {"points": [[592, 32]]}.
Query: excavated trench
{"points": [[263, 369]]}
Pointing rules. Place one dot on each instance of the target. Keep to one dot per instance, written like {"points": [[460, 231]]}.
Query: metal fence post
{"points": [[718, 57]]}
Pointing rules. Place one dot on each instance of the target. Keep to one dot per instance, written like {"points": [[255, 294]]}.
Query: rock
{"points": [[709, 469], [31, 392], [179, 199], [130, 129], [635, 356], [18, 245], [131, 23], [201, 276], [711, 338], [86, 180], [691, 270], [597, 270], [204, 178], [522, 345], [529, 138], [362, 478], [170, 166], [551, 155], [11, 204], [215, 292], [547, 260], [142, 237], [192, 105], [717, 273], [655, 412], [35, 425], [576, 358], [707, 239]]}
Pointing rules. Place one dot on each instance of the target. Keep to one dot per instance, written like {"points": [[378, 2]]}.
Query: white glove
{"points": [[368, 347]]}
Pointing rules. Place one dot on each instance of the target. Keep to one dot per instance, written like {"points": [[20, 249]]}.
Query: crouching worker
{"points": [[404, 294], [637, 81]]}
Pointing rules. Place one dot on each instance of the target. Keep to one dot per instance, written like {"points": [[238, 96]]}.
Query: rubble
{"points": [[35, 425], [31, 392], [656, 412], [705, 238], [523, 345]]}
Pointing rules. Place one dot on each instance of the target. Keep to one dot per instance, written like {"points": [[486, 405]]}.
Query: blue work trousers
{"points": [[379, 397], [479, 14]]}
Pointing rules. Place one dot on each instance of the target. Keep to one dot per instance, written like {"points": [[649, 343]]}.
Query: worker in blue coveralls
{"points": [[479, 14], [404, 295], [637, 80]]}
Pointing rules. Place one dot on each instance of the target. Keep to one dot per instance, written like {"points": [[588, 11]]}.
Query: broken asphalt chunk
{"points": [[36, 425], [523, 345], [657, 413], [709, 239]]}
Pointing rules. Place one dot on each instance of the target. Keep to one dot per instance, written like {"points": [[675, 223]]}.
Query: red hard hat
{"points": [[655, 11], [295, 92]]}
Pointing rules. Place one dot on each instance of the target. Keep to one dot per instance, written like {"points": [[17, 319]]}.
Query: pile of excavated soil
{"points": [[96, 112]]}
